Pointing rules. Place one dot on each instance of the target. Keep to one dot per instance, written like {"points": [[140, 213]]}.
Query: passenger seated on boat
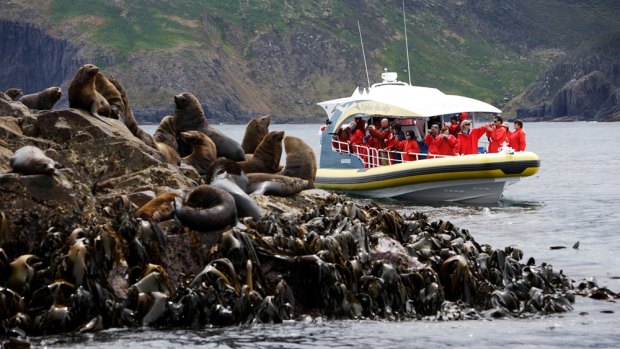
{"points": [[429, 140], [467, 140], [409, 147], [445, 142], [392, 144]]}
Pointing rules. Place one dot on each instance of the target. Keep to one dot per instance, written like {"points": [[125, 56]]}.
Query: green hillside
{"points": [[490, 50]]}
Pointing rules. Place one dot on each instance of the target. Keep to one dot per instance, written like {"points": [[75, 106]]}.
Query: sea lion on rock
{"points": [[112, 95], [274, 184], [300, 160], [84, 95], [166, 133], [30, 160], [170, 155], [189, 116], [13, 92], [208, 208], [42, 100], [161, 208], [266, 158], [255, 130], [228, 175], [128, 117], [203, 150]]}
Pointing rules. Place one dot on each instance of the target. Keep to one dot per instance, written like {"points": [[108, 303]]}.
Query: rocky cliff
{"points": [[583, 87], [242, 59]]}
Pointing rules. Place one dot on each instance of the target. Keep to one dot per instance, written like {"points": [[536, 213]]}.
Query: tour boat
{"points": [[364, 171]]}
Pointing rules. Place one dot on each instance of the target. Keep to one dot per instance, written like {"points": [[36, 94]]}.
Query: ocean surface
{"points": [[575, 197]]}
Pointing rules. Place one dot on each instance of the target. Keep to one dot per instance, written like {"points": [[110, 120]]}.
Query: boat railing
{"points": [[373, 157]]}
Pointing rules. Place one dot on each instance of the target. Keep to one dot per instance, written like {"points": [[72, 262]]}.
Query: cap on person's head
{"points": [[435, 126], [505, 124], [358, 116], [465, 122]]}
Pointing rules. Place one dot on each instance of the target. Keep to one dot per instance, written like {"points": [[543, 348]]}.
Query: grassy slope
{"points": [[457, 60]]}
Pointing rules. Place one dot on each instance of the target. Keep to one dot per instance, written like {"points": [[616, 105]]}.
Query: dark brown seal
{"points": [[166, 133], [128, 117], [203, 150], [13, 92], [31, 160], [42, 100], [112, 95], [255, 130], [300, 160], [266, 158], [189, 116], [208, 208], [84, 95]]}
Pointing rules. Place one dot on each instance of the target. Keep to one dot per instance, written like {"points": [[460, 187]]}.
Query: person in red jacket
{"points": [[454, 126], [429, 140], [517, 138], [467, 141], [409, 147], [497, 134], [382, 135], [445, 142]]}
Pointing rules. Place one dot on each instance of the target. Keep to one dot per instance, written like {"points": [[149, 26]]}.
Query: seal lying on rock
{"points": [[166, 133], [266, 158], [228, 175], [43, 100], [208, 208], [13, 92], [30, 160], [274, 184], [255, 130], [160, 208], [203, 150], [189, 116]]}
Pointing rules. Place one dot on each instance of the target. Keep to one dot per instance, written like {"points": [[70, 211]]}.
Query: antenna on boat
{"points": [[363, 53], [406, 42]]}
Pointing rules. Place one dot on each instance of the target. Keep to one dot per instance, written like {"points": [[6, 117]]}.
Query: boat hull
{"points": [[479, 179]]}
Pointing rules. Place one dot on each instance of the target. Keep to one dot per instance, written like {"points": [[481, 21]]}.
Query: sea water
{"points": [[575, 197]]}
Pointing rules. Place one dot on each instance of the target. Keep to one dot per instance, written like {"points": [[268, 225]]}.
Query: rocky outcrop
{"points": [[33, 60], [580, 87]]}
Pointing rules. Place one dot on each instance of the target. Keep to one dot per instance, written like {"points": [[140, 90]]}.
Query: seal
{"points": [[169, 155], [203, 150], [42, 100], [112, 95], [84, 95], [255, 130], [208, 208], [226, 174], [13, 92], [189, 116], [266, 158], [166, 133], [274, 184], [160, 208], [30, 160], [129, 119], [300, 160]]}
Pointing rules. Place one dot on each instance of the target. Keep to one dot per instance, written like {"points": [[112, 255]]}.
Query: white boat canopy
{"points": [[399, 99]]}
